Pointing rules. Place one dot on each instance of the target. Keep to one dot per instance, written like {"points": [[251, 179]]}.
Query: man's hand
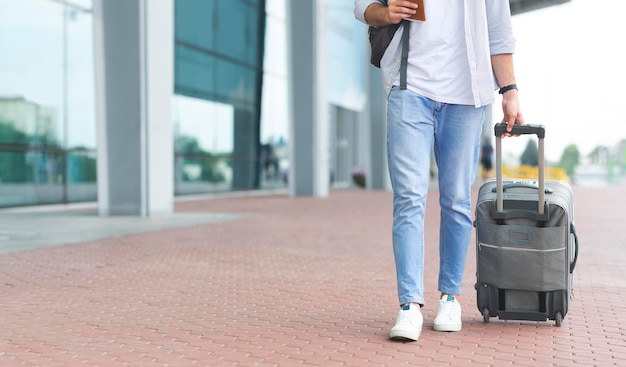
{"points": [[511, 110], [395, 11]]}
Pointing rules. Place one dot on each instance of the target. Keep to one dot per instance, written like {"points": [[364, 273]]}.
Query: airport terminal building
{"points": [[131, 103]]}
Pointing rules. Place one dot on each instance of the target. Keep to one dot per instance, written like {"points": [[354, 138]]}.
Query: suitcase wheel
{"points": [[486, 315], [558, 319]]}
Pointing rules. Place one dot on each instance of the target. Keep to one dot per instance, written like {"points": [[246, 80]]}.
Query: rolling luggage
{"points": [[526, 243]]}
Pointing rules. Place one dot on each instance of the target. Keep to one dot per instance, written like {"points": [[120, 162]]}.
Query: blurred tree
{"points": [[9, 135], [82, 166], [187, 144], [530, 156], [14, 165], [192, 153], [570, 159], [599, 155], [620, 159]]}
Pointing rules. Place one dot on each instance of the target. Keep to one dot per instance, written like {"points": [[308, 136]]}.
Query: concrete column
{"points": [[134, 42], [308, 109]]}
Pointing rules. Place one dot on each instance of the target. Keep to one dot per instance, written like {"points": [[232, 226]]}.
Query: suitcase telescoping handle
{"points": [[526, 129]]}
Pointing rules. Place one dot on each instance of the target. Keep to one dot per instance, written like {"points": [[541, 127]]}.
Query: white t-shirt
{"points": [[438, 63]]}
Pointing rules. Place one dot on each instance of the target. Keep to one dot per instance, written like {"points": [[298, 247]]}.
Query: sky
{"points": [[570, 67]]}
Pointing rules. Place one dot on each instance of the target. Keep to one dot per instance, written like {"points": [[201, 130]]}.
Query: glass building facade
{"points": [[47, 103], [229, 107], [218, 74]]}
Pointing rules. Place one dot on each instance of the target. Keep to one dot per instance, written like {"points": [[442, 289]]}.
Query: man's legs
{"points": [[457, 143], [409, 146]]}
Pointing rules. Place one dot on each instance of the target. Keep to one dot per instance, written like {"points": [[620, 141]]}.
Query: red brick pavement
{"points": [[292, 282]]}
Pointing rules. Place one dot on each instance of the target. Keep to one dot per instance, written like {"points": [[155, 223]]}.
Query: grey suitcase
{"points": [[526, 243]]}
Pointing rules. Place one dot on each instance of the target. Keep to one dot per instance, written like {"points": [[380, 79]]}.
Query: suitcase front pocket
{"points": [[521, 257]]}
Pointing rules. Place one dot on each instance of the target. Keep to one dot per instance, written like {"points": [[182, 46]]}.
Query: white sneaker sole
{"points": [[449, 327], [404, 335]]}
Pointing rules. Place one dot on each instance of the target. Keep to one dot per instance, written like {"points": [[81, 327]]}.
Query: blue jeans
{"points": [[416, 125]]}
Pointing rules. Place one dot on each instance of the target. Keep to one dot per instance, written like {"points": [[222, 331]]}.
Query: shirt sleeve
{"points": [[501, 39], [360, 6]]}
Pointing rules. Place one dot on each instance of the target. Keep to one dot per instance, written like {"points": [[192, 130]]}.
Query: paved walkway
{"points": [[280, 281]]}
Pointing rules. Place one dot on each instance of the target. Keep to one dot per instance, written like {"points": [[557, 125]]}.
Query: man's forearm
{"points": [[377, 15], [505, 76], [503, 69]]}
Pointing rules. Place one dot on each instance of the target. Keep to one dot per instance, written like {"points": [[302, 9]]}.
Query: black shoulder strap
{"points": [[405, 54], [405, 51]]}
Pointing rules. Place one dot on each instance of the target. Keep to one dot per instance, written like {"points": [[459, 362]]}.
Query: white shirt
{"points": [[487, 31], [438, 66]]}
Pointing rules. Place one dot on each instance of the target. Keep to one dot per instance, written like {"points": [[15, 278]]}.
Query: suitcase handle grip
{"points": [[573, 264], [538, 130], [527, 129]]}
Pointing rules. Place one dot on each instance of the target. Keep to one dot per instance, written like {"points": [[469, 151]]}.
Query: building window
{"points": [[47, 103]]}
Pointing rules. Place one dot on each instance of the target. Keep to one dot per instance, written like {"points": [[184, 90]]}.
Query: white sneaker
{"points": [[448, 314], [408, 324]]}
